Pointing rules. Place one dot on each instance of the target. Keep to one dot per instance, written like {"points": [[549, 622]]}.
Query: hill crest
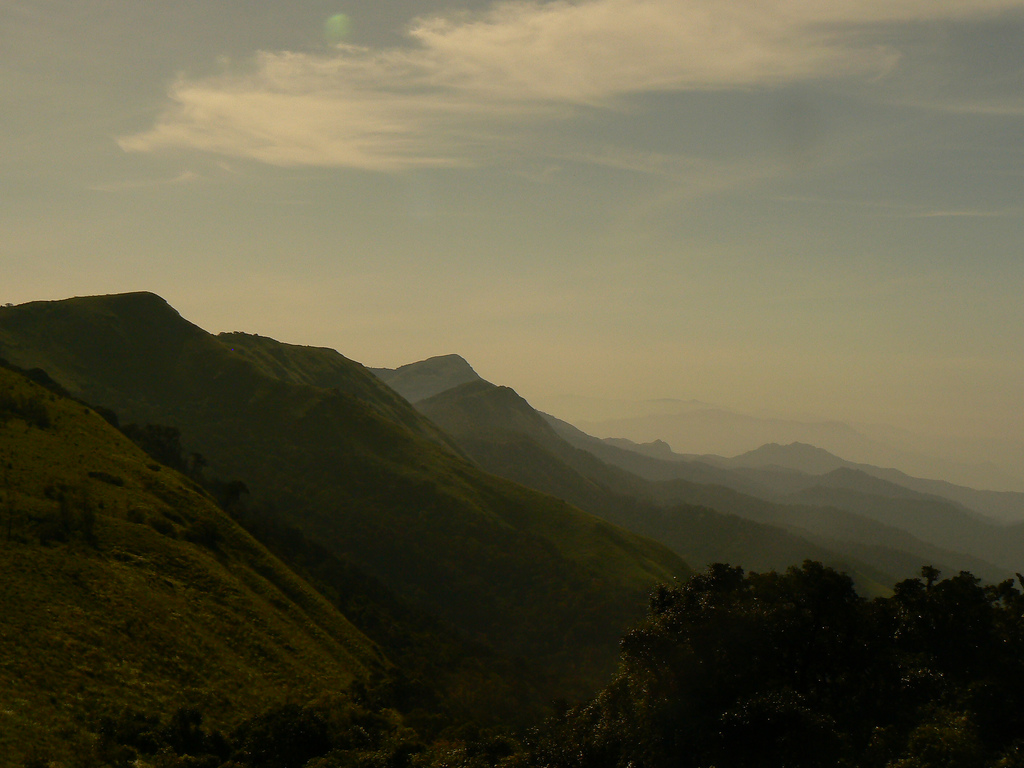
{"points": [[427, 378]]}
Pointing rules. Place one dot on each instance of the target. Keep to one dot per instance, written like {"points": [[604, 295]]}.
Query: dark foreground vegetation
{"points": [[796, 669], [730, 669]]}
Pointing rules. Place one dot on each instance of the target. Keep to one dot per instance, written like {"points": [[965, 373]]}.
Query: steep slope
{"points": [[123, 585], [524, 572], [328, 369]]}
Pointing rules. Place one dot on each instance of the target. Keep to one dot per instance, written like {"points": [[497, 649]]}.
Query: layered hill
{"points": [[323, 445], [822, 494], [689, 505], [123, 585], [1004, 506], [501, 431], [774, 468], [698, 429]]}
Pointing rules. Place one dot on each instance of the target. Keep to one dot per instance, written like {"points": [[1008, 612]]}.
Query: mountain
{"points": [[359, 472], [651, 462], [1007, 506], [681, 502], [327, 369], [718, 431], [426, 378], [502, 432], [124, 585], [773, 470], [803, 459], [710, 430], [811, 487]]}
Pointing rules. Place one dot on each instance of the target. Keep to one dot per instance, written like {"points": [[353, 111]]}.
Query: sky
{"points": [[790, 208]]}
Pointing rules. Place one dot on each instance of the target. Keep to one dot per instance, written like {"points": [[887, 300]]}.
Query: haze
{"points": [[804, 210]]}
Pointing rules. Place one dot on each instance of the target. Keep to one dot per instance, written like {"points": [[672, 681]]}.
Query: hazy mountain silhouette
{"points": [[1002, 505], [505, 435], [800, 475], [717, 431], [1006, 506], [418, 381]]}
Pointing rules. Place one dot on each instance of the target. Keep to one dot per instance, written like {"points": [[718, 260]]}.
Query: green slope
{"points": [[328, 369], [122, 584], [517, 569]]}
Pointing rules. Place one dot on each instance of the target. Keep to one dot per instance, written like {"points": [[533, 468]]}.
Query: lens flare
{"points": [[337, 28]]}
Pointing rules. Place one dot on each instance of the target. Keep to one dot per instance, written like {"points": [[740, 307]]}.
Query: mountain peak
{"points": [[426, 378], [447, 363], [803, 457]]}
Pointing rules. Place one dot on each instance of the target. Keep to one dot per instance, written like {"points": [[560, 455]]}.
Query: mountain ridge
{"points": [[502, 563], [503, 433]]}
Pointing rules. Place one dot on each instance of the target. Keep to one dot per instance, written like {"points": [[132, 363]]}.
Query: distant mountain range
{"points": [[804, 501], [695, 428], [1007, 506]]}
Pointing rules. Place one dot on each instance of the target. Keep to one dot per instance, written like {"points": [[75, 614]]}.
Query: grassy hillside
{"points": [[122, 584], [328, 369], [521, 571]]}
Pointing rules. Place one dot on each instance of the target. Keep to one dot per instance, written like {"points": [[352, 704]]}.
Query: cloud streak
{"points": [[183, 178], [464, 84]]}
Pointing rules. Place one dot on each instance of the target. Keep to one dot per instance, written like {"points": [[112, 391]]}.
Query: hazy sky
{"points": [[795, 207]]}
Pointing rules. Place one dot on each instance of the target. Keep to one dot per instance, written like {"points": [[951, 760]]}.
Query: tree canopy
{"points": [[736, 669]]}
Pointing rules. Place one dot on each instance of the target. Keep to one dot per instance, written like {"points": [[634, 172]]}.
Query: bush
{"points": [[741, 670]]}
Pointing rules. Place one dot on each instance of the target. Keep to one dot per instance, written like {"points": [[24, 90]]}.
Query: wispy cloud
{"points": [[892, 209], [965, 214], [185, 177], [464, 82], [1012, 108]]}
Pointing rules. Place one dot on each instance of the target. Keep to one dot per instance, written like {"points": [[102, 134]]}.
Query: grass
{"points": [[122, 584]]}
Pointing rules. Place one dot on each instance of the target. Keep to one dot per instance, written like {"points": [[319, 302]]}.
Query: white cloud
{"points": [[464, 82]]}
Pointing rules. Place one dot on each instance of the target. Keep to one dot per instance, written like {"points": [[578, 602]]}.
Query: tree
{"points": [[740, 670]]}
